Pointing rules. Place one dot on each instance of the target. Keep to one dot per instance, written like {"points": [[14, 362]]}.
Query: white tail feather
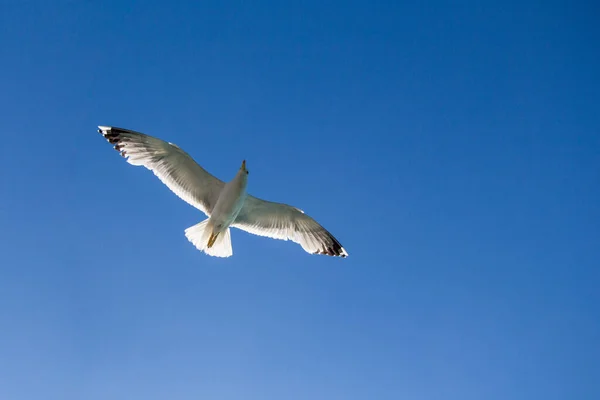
{"points": [[199, 235]]}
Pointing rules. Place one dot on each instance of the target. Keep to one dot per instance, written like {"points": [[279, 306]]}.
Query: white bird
{"points": [[225, 204]]}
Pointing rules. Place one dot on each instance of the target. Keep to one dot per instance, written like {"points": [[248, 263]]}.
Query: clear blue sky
{"points": [[452, 147]]}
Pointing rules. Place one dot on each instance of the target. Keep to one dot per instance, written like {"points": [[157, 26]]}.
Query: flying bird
{"points": [[225, 204]]}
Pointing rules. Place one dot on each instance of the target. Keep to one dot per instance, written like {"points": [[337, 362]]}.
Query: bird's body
{"points": [[226, 209], [226, 204], [231, 199]]}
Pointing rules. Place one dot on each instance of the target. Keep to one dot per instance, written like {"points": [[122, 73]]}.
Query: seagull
{"points": [[225, 204]]}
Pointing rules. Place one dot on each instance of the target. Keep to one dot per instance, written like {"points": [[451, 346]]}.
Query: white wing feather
{"points": [[281, 221], [173, 166]]}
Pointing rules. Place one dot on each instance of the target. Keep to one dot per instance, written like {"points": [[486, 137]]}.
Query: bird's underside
{"points": [[193, 184]]}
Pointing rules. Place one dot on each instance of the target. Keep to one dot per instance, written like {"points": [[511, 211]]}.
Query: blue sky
{"points": [[452, 147]]}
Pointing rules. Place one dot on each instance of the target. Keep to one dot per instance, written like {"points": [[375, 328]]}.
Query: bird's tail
{"points": [[200, 235]]}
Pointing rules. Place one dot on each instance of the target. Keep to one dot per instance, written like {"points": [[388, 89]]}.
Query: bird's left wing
{"points": [[281, 221], [173, 166]]}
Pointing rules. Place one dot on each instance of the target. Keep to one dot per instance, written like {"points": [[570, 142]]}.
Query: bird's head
{"points": [[243, 167]]}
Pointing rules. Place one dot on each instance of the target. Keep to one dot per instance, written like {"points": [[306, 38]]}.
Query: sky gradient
{"points": [[453, 148]]}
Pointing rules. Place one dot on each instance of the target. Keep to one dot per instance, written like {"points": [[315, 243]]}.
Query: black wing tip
{"points": [[334, 249], [113, 136], [104, 129], [331, 253]]}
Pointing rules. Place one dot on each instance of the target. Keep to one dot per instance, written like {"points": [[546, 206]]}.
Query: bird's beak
{"points": [[243, 167]]}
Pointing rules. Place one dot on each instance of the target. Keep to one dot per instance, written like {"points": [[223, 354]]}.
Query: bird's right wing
{"points": [[173, 166], [284, 222]]}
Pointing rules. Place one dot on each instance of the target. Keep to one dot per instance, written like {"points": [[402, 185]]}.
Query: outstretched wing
{"points": [[173, 166], [281, 221]]}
